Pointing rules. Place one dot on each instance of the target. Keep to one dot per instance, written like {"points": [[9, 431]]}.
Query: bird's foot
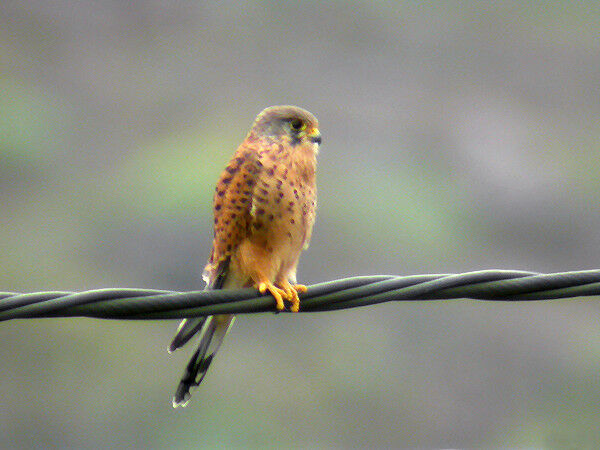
{"points": [[278, 294], [300, 288], [292, 291]]}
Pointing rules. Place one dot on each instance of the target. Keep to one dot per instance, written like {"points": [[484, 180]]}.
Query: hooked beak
{"points": [[315, 136]]}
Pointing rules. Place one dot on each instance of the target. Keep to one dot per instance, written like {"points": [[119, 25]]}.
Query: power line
{"points": [[151, 304]]}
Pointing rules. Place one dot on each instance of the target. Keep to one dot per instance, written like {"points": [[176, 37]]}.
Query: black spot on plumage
{"points": [[231, 169], [271, 217], [220, 193], [260, 211], [226, 180], [292, 221], [264, 191], [260, 199], [271, 171]]}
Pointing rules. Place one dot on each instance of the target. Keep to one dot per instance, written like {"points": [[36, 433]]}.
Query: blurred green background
{"points": [[456, 137]]}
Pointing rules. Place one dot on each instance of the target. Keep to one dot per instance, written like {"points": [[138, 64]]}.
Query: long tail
{"points": [[187, 329], [212, 334]]}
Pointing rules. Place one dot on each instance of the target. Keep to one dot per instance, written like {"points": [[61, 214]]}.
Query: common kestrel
{"points": [[264, 208]]}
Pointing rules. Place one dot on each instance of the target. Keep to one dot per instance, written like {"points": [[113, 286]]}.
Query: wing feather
{"points": [[232, 207]]}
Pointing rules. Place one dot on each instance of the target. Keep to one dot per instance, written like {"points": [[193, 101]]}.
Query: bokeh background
{"points": [[456, 137]]}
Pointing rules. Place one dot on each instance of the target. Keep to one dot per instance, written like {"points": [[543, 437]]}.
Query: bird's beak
{"points": [[315, 136]]}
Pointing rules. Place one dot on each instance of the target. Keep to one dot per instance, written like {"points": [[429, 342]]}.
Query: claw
{"points": [[292, 294], [277, 293], [300, 288]]}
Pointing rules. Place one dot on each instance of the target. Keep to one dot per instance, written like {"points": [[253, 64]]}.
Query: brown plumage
{"points": [[264, 209]]}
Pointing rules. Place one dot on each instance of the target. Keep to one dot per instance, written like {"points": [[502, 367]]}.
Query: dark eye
{"points": [[296, 124]]}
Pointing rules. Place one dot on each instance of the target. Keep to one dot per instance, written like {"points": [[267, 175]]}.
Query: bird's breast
{"points": [[283, 209]]}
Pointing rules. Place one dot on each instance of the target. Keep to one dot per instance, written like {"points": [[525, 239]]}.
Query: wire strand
{"points": [[152, 304]]}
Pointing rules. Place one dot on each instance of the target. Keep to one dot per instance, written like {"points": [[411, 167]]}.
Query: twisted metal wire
{"points": [[150, 304]]}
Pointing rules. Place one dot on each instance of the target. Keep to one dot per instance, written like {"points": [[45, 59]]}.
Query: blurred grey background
{"points": [[456, 137]]}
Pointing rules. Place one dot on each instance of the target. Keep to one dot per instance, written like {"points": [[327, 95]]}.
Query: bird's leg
{"points": [[292, 293], [279, 294]]}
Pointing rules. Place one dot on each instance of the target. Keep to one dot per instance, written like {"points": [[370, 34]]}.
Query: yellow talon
{"points": [[300, 288], [287, 292], [277, 293], [292, 294]]}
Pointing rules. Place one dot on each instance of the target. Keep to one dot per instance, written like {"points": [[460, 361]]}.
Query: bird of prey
{"points": [[264, 211]]}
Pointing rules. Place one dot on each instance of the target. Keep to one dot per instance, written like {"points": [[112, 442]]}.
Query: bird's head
{"points": [[294, 125]]}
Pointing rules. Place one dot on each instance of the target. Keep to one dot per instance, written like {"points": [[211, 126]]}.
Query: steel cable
{"points": [[152, 304]]}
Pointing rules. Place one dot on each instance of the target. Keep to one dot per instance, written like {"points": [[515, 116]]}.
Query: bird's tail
{"points": [[214, 329], [187, 329]]}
